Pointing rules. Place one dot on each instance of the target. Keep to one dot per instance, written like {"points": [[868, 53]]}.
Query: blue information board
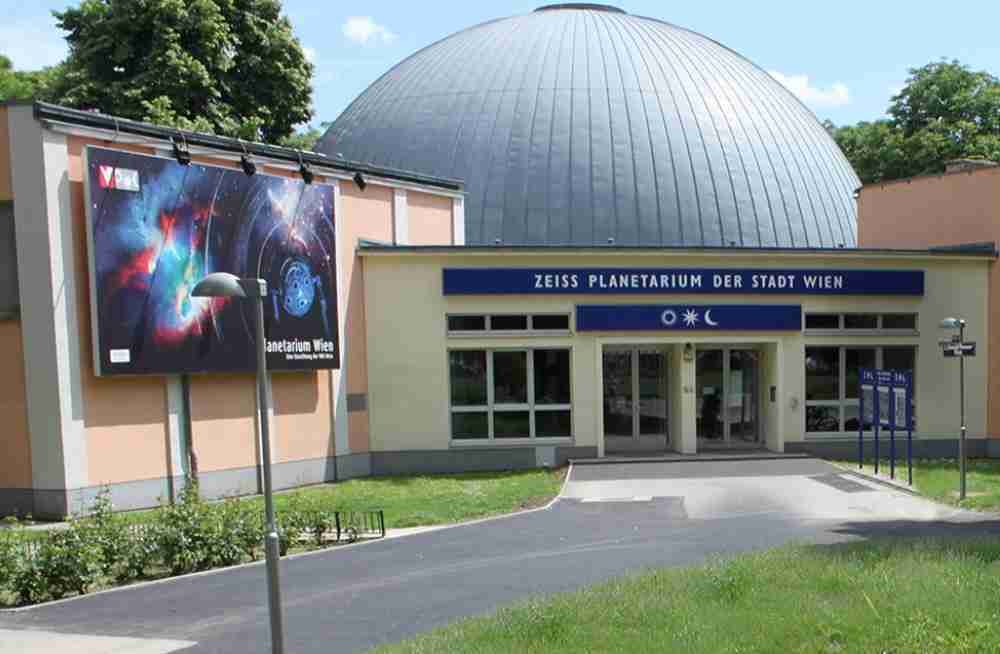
{"points": [[886, 401], [688, 317], [651, 281]]}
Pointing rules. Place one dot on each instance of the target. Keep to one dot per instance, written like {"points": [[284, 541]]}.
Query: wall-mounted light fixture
{"points": [[688, 352], [246, 163], [181, 154], [359, 179], [305, 171]]}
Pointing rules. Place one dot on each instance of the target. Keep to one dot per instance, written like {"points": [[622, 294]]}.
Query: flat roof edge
{"points": [[976, 250], [44, 111]]}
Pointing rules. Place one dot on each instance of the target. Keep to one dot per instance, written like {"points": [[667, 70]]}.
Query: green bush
{"points": [[184, 533], [10, 554], [107, 531], [63, 562], [229, 527], [142, 552]]}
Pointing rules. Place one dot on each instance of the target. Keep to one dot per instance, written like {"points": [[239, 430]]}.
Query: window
{"points": [[510, 393], [469, 324], [822, 321], [899, 321], [509, 323], [861, 322], [832, 378], [466, 323]]}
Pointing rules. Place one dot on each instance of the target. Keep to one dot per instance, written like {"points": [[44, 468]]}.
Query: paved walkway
{"points": [[612, 520]]}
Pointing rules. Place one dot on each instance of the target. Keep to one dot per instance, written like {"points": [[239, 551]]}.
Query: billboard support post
{"points": [[255, 290]]}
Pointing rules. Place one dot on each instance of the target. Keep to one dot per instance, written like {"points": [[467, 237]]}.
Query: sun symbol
{"points": [[690, 318]]}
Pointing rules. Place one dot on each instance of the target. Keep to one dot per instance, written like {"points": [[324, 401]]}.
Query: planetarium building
{"points": [[571, 234]]}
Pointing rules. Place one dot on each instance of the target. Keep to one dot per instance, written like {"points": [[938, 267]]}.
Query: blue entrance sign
{"points": [[651, 281], [688, 317], [886, 400]]}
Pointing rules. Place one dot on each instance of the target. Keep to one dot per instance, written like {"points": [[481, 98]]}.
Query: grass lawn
{"points": [[902, 597], [435, 499], [938, 479], [416, 501]]}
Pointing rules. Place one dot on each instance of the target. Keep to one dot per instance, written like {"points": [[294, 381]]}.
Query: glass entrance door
{"points": [[727, 381], [635, 399]]}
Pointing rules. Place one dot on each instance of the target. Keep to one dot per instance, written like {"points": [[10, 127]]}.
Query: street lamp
{"points": [[226, 285], [959, 324]]}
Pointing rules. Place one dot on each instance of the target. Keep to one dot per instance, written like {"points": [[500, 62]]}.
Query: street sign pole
{"points": [[861, 420], [961, 401], [892, 433], [909, 428]]}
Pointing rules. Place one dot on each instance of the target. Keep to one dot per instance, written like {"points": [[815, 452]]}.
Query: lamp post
{"points": [[958, 323], [227, 285]]}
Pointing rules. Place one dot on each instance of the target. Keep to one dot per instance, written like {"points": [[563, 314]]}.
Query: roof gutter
{"points": [[44, 111]]}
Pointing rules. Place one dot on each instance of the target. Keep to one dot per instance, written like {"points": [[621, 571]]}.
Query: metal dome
{"points": [[583, 125]]}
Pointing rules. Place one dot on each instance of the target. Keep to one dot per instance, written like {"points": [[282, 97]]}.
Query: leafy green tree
{"points": [[305, 139], [945, 111], [232, 67], [24, 85]]}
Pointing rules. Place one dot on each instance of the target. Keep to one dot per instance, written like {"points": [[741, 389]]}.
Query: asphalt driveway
{"points": [[611, 520]]}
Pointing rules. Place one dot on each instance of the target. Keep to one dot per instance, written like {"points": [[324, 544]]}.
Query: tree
{"points": [[23, 85], [306, 138], [945, 111], [232, 67]]}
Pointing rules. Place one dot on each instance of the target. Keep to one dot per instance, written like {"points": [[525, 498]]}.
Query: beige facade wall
{"points": [[944, 209], [408, 376], [430, 219], [223, 430], [15, 464]]}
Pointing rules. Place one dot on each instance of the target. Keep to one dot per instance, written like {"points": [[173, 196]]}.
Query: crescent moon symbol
{"points": [[708, 319]]}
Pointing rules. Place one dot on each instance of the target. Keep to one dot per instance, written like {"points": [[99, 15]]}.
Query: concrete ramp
{"points": [[801, 488]]}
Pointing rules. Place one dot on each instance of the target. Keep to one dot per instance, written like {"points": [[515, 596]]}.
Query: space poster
{"points": [[156, 227]]}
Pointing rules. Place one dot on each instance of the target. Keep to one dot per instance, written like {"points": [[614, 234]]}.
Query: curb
{"points": [[693, 458]]}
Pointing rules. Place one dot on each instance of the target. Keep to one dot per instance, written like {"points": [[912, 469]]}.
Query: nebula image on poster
{"points": [[156, 227]]}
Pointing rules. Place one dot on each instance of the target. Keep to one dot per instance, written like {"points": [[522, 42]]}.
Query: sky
{"points": [[844, 60]]}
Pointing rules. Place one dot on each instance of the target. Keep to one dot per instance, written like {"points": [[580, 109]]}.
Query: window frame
{"points": [[530, 329], [844, 402], [878, 330], [491, 407]]}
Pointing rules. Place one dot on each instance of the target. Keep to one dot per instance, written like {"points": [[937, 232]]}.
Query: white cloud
{"points": [[310, 54], [836, 95], [364, 30], [31, 46], [896, 89]]}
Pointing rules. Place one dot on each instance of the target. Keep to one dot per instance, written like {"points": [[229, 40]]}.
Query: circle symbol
{"points": [[668, 317], [298, 291]]}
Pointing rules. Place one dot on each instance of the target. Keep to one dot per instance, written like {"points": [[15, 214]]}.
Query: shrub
{"points": [[291, 525], [10, 555], [63, 563], [141, 553], [107, 531], [183, 533], [227, 525]]}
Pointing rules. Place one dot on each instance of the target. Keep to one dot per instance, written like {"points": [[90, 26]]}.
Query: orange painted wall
{"points": [[15, 463], [303, 420], [124, 418], [365, 214], [6, 184], [947, 209], [429, 219], [222, 421]]}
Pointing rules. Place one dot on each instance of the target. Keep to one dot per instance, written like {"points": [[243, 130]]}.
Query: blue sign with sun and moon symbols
{"points": [[688, 317]]}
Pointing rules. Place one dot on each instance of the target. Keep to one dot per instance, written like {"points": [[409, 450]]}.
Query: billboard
{"points": [[156, 227]]}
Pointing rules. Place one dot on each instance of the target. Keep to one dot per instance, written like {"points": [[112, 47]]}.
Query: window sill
{"points": [[486, 443]]}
